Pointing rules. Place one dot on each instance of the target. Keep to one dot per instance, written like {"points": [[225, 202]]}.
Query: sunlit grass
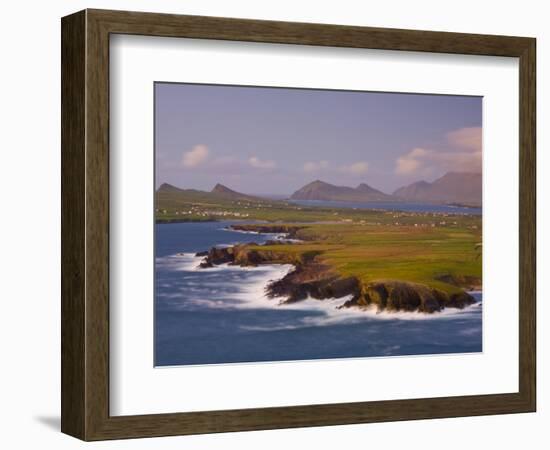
{"points": [[392, 253]]}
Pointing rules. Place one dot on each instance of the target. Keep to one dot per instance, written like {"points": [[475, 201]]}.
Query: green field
{"points": [[194, 206]]}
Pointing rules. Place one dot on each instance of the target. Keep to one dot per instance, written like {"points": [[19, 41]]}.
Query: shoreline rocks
{"points": [[395, 295], [315, 280]]}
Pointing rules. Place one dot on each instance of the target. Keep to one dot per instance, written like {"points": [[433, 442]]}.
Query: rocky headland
{"points": [[313, 278]]}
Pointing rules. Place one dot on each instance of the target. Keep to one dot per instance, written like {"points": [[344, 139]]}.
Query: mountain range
{"points": [[454, 187], [230, 194], [219, 192], [319, 190]]}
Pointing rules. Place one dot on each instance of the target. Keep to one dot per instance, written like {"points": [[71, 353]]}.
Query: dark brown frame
{"points": [[85, 224]]}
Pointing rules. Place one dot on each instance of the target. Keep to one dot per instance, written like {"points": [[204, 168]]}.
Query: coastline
{"points": [[159, 221], [223, 315], [312, 278]]}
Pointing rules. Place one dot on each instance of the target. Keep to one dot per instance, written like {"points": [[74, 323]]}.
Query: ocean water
{"points": [[392, 206], [221, 315]]}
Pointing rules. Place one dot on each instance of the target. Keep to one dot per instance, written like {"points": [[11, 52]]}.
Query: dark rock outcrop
{"points": [[313, 280], [460, 300], [247, 255], [463, 281], [217, 255], [392, 295]]}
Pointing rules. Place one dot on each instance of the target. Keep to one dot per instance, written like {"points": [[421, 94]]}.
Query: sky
{"points": [[262, 140]]}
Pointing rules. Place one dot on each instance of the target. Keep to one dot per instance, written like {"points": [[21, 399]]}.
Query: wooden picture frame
{"points": [[85, 224]]}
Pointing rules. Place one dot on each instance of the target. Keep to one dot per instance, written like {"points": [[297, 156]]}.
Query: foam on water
{"points": [[274, 236], [330, 313], [184, 262]]}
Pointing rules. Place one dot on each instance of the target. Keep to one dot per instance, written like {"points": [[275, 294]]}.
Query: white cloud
{"points": [[357, 168], [463, 155], [466, 139], [315, 166], [201, 157], [409, 163], [195, 157], [257, 163]]}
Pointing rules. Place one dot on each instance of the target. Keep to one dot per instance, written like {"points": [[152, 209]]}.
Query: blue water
{"points": [[392, 206], [219, 315]]}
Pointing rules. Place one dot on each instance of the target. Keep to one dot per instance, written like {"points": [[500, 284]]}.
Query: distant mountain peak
{"points": [[167, 187], [224, 191], [318, 183], [364, 187], [321, 190], [220, 188], [452, 187]]}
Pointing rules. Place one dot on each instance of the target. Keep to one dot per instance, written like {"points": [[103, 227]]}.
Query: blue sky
{"points": [[274, 140]]}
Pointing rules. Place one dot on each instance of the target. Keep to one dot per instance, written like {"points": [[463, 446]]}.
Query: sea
{"points": [[221, 315], [392, 206]]}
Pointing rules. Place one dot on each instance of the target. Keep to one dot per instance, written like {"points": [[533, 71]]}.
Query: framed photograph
{"points": [[273, 225]]}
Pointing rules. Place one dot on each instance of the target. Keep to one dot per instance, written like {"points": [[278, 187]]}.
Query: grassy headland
{"points": [[444, 257]]}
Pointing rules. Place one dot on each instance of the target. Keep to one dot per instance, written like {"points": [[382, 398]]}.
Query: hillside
{"points": [[319, 190], [169, 191], [230, 194], [173, 204], [218, 193], [453, 187]]}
